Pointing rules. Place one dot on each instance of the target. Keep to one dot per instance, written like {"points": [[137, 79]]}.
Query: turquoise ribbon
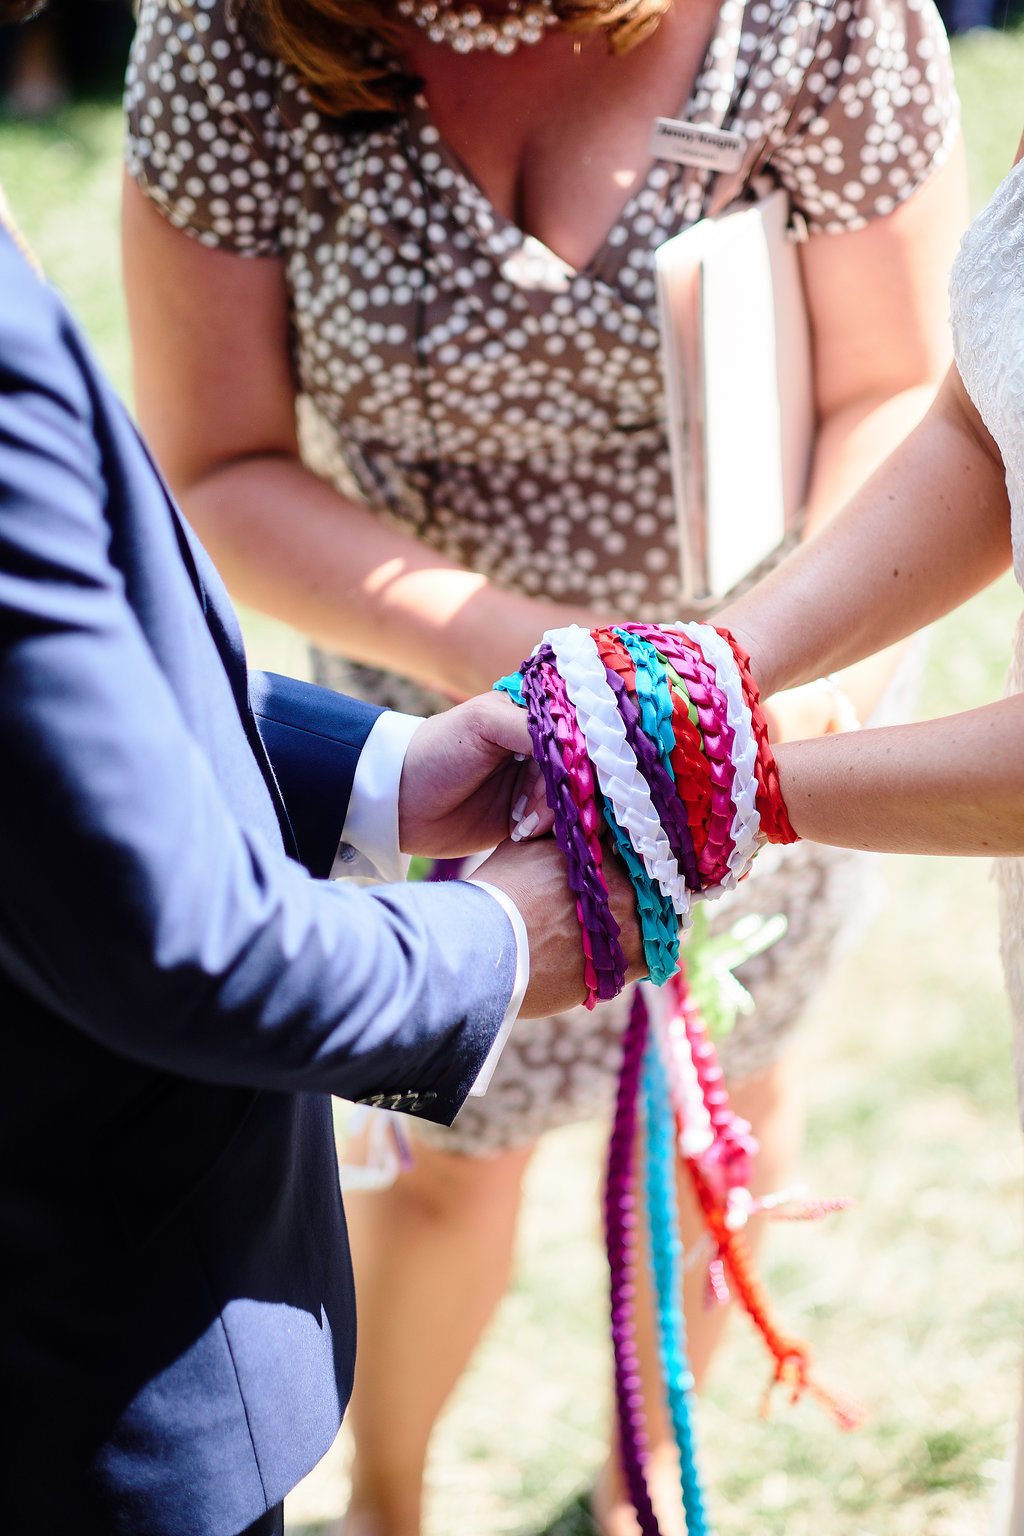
{"points": [[666, 1268]]}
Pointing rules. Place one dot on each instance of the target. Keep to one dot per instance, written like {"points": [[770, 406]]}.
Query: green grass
{"points": [[912, 1298], [988, 72], [62, 180]]}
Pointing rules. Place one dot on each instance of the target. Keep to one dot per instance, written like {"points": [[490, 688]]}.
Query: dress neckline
{"points": [[502, 236]]}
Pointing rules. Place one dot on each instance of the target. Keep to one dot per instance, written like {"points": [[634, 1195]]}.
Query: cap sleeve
{"points": [[203, 130], [877, 114]]}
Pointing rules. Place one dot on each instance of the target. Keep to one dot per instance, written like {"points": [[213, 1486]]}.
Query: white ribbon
{"points": [[615, 764]]}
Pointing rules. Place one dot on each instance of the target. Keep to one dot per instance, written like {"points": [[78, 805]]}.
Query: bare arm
{"points": [[949, 786], [930, 528], [878, 307], [216, 398]]}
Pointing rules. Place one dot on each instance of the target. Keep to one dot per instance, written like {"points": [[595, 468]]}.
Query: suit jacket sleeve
{"points": [[313, 738], [135, 902]]}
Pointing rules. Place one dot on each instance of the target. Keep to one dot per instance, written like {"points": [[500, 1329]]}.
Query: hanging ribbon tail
{"points": [[792, 1356], [620, 1217], [848, 1411], [801, 1210], [658, 733], [445, 869], [717, 1290], [793, 1373]]}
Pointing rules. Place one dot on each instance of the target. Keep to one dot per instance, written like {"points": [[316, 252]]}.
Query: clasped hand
{"points": [[464, 772]]}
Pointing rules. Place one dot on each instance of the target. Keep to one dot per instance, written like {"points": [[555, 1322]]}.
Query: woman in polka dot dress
{"points": [[394, 315]]}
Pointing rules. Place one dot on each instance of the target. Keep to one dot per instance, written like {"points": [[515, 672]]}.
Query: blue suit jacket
{"points": [[178, 997]]}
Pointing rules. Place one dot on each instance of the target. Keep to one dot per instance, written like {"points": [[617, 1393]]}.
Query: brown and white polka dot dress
{"points": [[508, 409]]}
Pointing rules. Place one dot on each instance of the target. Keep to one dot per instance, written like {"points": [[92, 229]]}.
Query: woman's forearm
{"points": [[288, 544], [877, 302], [928, 530], [949, 786], [851, 442]]}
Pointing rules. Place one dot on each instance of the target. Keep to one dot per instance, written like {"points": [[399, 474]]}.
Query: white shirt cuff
{"points": [[522, 978], [369, 839]]}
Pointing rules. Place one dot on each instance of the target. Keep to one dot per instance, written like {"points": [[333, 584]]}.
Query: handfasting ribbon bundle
{"points": [[659, 732]]}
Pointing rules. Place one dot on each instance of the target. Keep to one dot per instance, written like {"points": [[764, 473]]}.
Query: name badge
{"points": [[695, 144]]}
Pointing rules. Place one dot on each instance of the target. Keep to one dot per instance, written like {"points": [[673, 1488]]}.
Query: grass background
{"points": [[913, 1298]]}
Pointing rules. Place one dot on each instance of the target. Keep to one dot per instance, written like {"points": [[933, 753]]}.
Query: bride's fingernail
{"points": [[520, 757], [527, 826], [519, 808]]}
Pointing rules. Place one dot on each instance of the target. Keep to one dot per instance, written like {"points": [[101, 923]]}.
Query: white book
{"points": [[736, 353]]}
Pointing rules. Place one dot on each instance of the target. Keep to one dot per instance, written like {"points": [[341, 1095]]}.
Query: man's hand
{"points": [[533, 875], [465, 772]]}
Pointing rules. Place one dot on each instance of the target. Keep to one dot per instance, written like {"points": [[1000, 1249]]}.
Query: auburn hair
{"points": [[346, 51]]}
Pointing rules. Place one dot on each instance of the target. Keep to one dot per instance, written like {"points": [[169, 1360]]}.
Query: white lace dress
{"points": [[987, 315]]}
